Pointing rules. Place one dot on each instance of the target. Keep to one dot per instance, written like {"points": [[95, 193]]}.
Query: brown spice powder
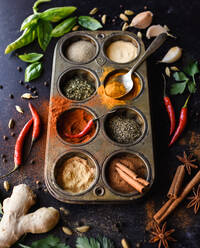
{"points": [[134, 163]]}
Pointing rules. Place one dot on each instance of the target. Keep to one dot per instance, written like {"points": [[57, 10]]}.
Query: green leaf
{"points": [[24, 246], [33, 71], [105, 242], [37, 3], [83, 242], [56, 14], [180, 76], [29, 21], [89, 22], [178, 88], [31, 57], [192, 69], [44, 30], [64, 27], [26, 38], [191, 87]]}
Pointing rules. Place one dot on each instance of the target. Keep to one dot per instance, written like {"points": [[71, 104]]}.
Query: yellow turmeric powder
{"points": [[115, 89]]}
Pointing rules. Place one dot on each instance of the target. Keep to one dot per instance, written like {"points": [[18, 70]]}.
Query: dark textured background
{"points": [[183, 19]]}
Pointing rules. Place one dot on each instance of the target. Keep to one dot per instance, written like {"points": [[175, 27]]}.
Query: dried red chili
{"points": [[83, 132], [169, 108], [18, 154], [36, 122], [182, 122]]}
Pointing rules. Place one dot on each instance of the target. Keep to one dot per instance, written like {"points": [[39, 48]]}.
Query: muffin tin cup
{"points": [[100, 148], [125, 152]]}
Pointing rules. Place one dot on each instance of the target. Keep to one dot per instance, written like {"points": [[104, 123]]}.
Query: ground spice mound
{"points": [[75, 175], [111, 102], [73, 122], [131, 161]]}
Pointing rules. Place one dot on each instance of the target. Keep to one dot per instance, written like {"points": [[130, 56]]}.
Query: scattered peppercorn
{"points": [[21, 82], [5, 137], [19, 68], [32, 161], [35, 92], [11, 96], [12, 134], [3, 156], [1, 87], [4, 160], [27, 86]]}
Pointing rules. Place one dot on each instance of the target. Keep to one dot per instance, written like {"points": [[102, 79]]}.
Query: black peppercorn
{"points": [[12, 134], [21, 82], [4, 160], [11, 96], [5, 137], [1, 86], [46, 83], [19, 68]]}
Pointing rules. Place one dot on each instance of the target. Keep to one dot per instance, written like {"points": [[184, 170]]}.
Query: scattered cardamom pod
{"points": [[125, 26], [75, 28], [6, 186], [11, 124], [28, 96], [128, 12], [139, 35], [19, 109], [83, 229], [64, 210], [123, 17], [93, 11], [174, 68], [66, 230], [124, 243], [167, 71], [103, 19]]}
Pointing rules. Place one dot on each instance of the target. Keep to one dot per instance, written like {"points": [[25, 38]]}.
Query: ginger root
{"points": [[16, 222]]}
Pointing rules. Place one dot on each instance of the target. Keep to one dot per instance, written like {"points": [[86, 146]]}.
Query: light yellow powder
{"points": [[75, 175]]}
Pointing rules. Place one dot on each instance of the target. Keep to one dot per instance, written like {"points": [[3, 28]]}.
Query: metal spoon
{"points": [[126, 79]]}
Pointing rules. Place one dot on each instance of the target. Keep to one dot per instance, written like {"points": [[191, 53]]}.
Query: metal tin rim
{"points": [[113, 154], [78, 34], [58, 189], [86, 109], [97, 83], [137, 140], [132, 36]]}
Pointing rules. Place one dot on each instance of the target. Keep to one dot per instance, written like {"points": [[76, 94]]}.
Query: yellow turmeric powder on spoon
{"points": [[115, 89]]}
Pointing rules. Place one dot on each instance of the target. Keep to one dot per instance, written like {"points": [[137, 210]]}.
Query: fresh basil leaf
{"points": [[56, 14], [191, 87], [105, 242], [44, 30], [64, 27], [83, 242], [31, 57], [89, 22], [33, 71], [37, 3], [180, 76], [192, 69], [26, 38], [29, 21], [177, 88]]}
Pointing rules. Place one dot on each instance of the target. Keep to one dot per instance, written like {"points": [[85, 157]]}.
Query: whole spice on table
{"points": [[110, 102], [123, 128], [161, 235], [78, 88], [182, 123], [170, 109], [73, 122], [18, 154], [36, 123], [133, 163], [195, 200], [121, 51], [75, 175], [81, 51], [187, 161]]}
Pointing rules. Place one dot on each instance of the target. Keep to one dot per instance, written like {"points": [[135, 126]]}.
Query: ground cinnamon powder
{"points": [[73, 122], [111, 102], [131, 161]]}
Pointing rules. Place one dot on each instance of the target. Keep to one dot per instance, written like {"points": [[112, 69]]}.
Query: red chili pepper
{"points": [[83, 132], [169, 108], [182, 122], [36, 122], [19, 146]]}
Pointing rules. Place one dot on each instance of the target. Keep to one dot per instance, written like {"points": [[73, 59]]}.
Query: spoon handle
{"points": [[156, 43]]}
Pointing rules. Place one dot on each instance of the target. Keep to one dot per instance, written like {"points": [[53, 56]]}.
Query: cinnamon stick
{"points": [[132, 174], [171, 204], [138, 186], [177, 182]]}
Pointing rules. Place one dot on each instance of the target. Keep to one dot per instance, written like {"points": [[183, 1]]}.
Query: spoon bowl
{"points": [[126, 79]]}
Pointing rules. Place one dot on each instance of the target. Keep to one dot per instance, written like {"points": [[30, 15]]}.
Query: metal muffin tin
{"points": [[100, 149]]}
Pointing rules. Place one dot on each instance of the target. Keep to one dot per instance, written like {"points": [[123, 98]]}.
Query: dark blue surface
{"points": [[182, 17]]}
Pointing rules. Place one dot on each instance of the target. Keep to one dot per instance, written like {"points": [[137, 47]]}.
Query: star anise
{"points": [[188, 162], [161, 235], [195, 200]]}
